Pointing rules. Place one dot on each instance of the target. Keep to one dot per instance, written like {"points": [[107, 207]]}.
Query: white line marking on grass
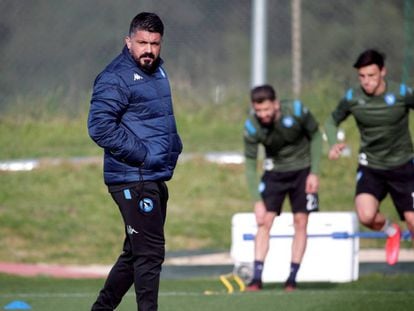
{"points": [[84, 295], [328, 291], [261, 293], [47, 295]]}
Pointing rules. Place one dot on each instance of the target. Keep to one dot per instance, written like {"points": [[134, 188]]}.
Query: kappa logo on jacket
{"points": [[137, 77]]}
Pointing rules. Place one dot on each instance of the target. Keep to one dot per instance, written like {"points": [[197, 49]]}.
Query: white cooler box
{"points": [[331, 254]]}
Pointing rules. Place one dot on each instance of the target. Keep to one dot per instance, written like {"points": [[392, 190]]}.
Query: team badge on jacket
{"points": [[389, 99], [287, 121]]}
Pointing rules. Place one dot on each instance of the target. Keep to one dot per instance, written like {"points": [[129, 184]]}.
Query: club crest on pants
{"points": [[146, 205]]}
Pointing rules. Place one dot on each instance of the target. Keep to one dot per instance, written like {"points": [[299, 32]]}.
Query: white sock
{"points": [[388, 228]]}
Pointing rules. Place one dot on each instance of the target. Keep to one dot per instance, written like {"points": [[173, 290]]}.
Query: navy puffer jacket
{"points": [[131, 118]]}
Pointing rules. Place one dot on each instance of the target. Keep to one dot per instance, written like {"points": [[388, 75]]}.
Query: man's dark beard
{"points": [[148, 67]]}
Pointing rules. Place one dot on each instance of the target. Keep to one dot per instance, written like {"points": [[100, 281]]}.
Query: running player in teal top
{"points": [[381, 111], [292, 141]]}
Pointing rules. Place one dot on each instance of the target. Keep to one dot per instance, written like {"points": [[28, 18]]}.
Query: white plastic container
{"points": [[331, 254]]}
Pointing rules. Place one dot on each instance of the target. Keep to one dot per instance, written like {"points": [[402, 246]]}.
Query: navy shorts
{"points": [[275, 186], [398, 182]]}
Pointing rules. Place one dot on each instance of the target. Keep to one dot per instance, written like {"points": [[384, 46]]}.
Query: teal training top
{"points": [[292, 142], [383, 123]]}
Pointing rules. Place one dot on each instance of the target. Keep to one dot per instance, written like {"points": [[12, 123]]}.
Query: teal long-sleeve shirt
{"points": [[383, 124], [292, 142]]}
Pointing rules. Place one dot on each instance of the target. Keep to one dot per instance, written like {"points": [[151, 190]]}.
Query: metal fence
{"points": [[58, 47]]}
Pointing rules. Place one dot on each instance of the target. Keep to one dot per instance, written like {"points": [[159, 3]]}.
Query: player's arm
{"points": [[316, 151], [312, 181], [331, 128], [252, 178], [251, 146], [311, 126]]}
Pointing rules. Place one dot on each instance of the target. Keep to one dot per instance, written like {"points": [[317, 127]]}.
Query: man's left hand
{"points": [[312, 183]]}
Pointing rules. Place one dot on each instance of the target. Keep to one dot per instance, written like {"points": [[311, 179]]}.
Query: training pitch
{"points": [[376, 291]]}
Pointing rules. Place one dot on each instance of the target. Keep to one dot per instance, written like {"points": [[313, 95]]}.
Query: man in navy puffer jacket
{"points": [[131, 118]]}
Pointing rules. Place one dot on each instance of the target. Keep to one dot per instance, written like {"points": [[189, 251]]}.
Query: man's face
{"points": [[267, 112], [371, 78], [145, 48]]}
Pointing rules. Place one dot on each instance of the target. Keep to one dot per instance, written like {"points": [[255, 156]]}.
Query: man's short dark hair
{"points": [[370, 57], [148, 22], [261, 93]]}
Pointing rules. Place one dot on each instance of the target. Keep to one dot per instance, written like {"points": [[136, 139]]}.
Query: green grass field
{"points": [[376, 292], [64, 214]]}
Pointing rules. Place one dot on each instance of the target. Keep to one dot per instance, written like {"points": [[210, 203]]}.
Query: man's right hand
{"points": [[335, 151]]}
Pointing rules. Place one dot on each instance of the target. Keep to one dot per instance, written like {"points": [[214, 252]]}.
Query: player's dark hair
{"points": [[148, 22], [261, 93], [370, 57]]}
